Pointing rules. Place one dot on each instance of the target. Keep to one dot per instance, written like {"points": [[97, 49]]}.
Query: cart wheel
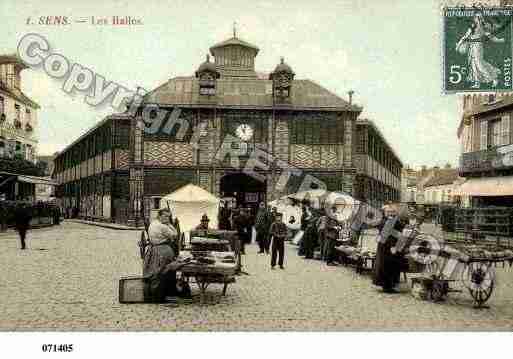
{"points": [[479, 278]]}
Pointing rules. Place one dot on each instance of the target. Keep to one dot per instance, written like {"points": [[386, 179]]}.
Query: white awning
{"points": [[37, 180], [492, 186]]}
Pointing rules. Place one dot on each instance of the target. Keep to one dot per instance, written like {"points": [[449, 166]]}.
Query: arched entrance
{"points": [[246, 190]]}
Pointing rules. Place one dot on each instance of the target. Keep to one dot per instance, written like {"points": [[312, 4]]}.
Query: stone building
{"points": [[120, 168], [18, 133], [486, 140], [442, 187], [18, 113]]}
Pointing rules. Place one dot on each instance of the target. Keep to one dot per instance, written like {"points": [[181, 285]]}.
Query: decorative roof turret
{"points": [[208, 66], [207, 75], [282, 78], [235, 57], [282, 67]]}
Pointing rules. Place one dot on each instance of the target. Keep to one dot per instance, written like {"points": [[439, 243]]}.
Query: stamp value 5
{"points": [[477, 49]]}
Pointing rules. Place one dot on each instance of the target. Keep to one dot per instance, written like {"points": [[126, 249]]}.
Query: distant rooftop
{"points": [[442, 176]]}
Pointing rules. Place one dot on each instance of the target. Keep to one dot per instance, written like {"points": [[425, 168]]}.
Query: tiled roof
{"points": [[246, 93], [442, 177]]}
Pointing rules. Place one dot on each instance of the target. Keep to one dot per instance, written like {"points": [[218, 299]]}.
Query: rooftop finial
{"points": [[235, 29], [351, 93], [282, 60]]}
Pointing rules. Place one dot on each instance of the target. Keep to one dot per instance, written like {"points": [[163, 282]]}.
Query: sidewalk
{"points": [[12, 231], [105, 225]]}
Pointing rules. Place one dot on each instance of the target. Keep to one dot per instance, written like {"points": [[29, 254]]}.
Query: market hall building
{"points": [[116, 170]]}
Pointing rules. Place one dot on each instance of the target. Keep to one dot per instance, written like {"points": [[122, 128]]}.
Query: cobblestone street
{"points": [[68, 280]]}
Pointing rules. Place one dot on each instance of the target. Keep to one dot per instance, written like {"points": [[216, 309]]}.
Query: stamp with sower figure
{"points": [[477, 49]]}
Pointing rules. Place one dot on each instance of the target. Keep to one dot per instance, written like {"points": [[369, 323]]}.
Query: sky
{"points": [[388, 52]]}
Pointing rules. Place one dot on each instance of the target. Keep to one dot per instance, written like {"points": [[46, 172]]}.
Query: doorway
{"points": [[247, 191]]}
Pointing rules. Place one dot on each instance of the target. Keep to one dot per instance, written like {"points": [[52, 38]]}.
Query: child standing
{"points": [[279, 233]]}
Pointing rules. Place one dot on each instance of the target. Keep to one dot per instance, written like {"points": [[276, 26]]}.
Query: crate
{"points": [[131, 289]]}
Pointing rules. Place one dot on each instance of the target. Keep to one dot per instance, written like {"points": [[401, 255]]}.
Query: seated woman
{"points": [[160, 281]]}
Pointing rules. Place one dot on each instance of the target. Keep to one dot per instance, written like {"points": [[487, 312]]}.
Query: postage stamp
{"points": [[477, 49]]}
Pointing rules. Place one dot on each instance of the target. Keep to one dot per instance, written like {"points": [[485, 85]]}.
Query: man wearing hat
{"points": [[204, 223], [279, 233]]}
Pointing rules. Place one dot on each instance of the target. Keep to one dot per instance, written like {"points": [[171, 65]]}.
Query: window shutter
{"points": [[484, 135], [505, 127]]}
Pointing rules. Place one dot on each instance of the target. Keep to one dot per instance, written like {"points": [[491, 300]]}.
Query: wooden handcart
{"points": [[212, 245], [206, 274], [477, 273]]}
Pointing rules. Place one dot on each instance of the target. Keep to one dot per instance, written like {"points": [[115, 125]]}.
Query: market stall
{"points": [[189, 203]]}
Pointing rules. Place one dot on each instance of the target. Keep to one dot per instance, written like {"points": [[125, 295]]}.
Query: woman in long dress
{"points": [[471, 44], [387, 268], [160, 280]]}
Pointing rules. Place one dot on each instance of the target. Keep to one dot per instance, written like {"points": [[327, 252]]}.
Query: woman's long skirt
{"points": [[158, 282]]}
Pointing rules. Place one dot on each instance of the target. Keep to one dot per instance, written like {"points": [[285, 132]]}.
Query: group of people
{"points": [[319, 231]]}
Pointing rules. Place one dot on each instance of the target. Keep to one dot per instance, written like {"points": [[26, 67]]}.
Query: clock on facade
{"points": [[244, 132]]}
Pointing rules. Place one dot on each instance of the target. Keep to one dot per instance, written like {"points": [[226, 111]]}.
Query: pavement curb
{"points": [[105, 225]]}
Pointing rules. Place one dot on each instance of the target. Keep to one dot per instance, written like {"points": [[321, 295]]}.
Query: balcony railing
{"points": [[487, 160]]}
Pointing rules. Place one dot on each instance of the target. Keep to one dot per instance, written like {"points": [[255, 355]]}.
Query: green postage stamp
{"points": [[477, 49]]}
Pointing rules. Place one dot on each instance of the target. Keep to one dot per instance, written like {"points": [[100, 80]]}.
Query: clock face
{"points": [[244, 132]]}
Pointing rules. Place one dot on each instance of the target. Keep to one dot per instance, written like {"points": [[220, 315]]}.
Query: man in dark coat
{"points": [[224, 217], [331, 233], [311, 235], [57, 215], [250, 222], [240, 224], [262, 228], [304, 224], [22, 219]]}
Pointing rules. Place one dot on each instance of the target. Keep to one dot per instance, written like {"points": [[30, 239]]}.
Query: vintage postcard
{"points": [[236, 166]]}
